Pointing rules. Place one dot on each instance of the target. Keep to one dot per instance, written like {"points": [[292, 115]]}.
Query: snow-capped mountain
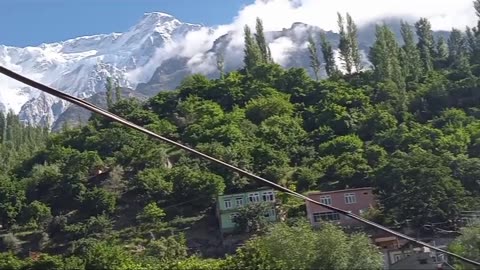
{"points": [[153, 55], [80, 66]]}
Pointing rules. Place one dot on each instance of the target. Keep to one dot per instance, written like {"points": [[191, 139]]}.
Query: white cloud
{"points": [[280, 48], [279, 14]]}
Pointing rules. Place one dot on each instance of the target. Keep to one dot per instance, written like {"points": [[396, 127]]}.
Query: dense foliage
{"points": [[409, 127]]}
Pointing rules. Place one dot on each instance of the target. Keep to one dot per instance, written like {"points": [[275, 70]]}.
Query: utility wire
{"points": [[118, 119]]}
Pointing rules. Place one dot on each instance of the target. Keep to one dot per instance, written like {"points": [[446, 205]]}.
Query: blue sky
{"points": [[32, 22]]}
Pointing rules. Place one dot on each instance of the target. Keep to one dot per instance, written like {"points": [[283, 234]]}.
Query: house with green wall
{"points": [[228, 205]]}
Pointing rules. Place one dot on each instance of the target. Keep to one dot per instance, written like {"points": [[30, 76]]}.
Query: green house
{"points": [[228, 205]]}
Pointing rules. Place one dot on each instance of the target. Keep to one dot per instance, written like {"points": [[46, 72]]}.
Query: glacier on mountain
{"points": [[81, 65]]}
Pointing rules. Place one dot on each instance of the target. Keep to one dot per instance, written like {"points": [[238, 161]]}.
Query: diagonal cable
{"points": [[118, 119]]}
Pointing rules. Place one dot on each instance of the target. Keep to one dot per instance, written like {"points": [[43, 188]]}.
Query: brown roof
{"points": [[337, 191]]}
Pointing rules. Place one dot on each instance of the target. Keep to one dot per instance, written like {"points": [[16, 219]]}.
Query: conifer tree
{"points": [[352, 33], [344, 46], [262, 42], [411, 63], [314, 60], [109, 89], [252, 52], [328, 56], [426, 43]]}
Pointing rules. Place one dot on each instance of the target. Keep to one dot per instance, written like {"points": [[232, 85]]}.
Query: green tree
{"points": [[352, 33], [467, 245], [37, 212], [411, 62], [109, 92], [99, 201], [12, 199], [252, 51], [151, 213], [419, 186], [257, 110], [102, 255], [251, 217], [328, 56], [265, 54], [301, 247], [220, 64], [118, 92], [384, 57], [426, 43], [345, 45], [169, 249], [314, 60]]}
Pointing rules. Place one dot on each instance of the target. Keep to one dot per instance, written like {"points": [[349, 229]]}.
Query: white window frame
{"points": [[268, 196], [326, 199], [237, 200], [350, 198], [227, 203], [254, 197]]}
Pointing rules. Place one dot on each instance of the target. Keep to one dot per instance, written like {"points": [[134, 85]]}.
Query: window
{"points": [[350, 198], [327, 199], [326, 216], [228, 204], [397, 258], [238, 201], [254, 197], [268, 196]]}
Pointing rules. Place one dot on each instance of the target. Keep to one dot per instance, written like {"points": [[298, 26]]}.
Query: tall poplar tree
{"points": [[426, 43], [385, 58], [252, 52], [328, 56], [2, 127], [411, 62], [314, 60], [458, 51], [220, 64], [352, 33], [262, 42], [109, 92], [118, 92], [473, 36], [442, 49], [344, 46]]}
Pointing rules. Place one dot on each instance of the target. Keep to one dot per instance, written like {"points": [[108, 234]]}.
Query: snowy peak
{"points": [[80, 66]]}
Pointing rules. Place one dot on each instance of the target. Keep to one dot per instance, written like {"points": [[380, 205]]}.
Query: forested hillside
{"points": [[106, 196]]}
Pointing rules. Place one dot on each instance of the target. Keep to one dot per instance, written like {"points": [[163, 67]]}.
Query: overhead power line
{"points": [[118, 119]]}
